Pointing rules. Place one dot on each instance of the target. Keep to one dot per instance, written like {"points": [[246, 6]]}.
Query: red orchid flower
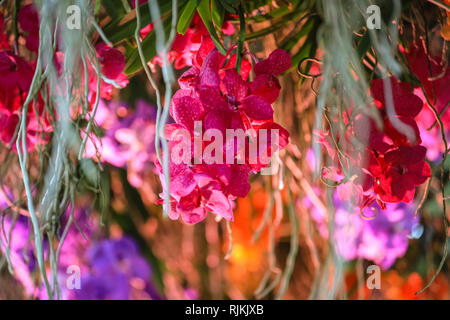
{"points": [[216, 95], [406, 106], [399, 172], [111, 60], [28, 19]]}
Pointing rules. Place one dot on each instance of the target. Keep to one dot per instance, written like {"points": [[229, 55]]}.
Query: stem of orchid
{"points": [[173, 26], [162, 47], [424, 197], [53, 266], [264, 289], [441, 125], [94, 111], [150, 79], [440, 4], [65, 233], [230, 240], [260, 294], [440, 114], [307, 75], [290, 262], [265, 219], [444, 206], [86, 87], [126, 5], [445, 248], [21, 145], [318, 118], [8, 244], [241, 38], [101, 33], [22, 161], [341, 153]]}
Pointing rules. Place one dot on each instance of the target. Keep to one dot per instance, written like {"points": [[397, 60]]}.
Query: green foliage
{"points": [[186, 16], [118, 30], [114, 8], [205, 14], [364, 45], [122, 25], [129, 226], [134, 64], [231, 5], [218, 14]]}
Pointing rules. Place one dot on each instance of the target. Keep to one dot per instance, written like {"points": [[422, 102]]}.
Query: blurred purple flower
{"points": [[190, 294], [109, 268], [382, 239], [14, 236], [129, 139], [115, 266], [121, 254], [108, 285]]}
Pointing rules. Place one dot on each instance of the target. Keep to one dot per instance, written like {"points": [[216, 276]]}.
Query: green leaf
{"points": [[98, 5], [134, 63], [303, 53], [114, 8], [364, 45], [241, 39], [250, 6], [228, 7], [117, 30], [231, 2], [280, 12], [205, 15], [276, 25], [186, 16], [307, 50], [217, 13], [289, 42]]}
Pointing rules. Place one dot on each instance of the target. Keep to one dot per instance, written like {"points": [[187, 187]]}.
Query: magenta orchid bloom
{"points": [[214, 94]]}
